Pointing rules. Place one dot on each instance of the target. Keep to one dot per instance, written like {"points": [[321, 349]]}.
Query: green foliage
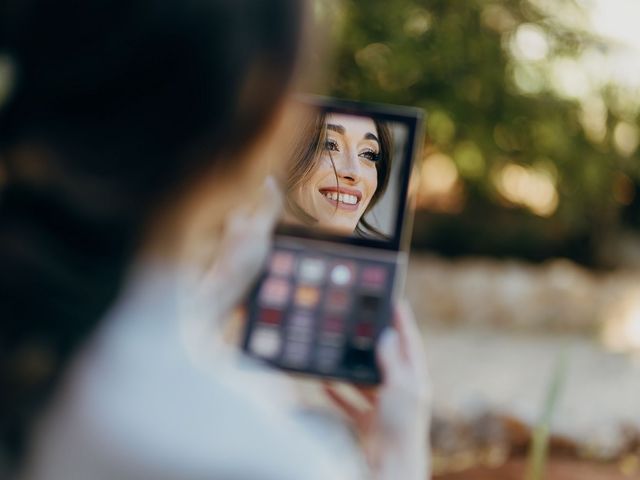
{"points": [[486, 108]]}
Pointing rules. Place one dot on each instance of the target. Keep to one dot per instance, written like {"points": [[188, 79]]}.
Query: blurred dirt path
{"points": [[476, 370], [494, 331], [558, 470]]}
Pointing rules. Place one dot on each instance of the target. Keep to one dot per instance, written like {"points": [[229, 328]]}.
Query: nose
{"points": [[348, 167]]}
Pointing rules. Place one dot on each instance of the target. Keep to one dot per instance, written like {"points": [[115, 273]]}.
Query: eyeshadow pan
{"points": [[298, 334], [333, 324], [363, 335], [269, 316], [296, 354], [333, 331], [282, 263], [265, 342], [327, 358], [374, 277], [275, 292], [342, 274], [307, 297], [364, 329], [312, 270], [302, 319], [368, 307], [337, 300]]}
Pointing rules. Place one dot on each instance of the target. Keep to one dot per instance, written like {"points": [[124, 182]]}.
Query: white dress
{"points": [[135, 405]]}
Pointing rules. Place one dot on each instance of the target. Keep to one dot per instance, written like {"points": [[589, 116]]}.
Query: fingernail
{"points": [[272, 191], [238, 219], [270, 183], [388, 338]]}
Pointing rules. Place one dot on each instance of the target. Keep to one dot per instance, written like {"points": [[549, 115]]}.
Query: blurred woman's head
{"points": [[340, 174], [116, 110]]}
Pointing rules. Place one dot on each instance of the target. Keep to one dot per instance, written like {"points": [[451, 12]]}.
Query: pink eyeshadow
{"points": [[275, 292], [333, 324], [364, 330], [337, 300], [282, 263], [374, 276]]}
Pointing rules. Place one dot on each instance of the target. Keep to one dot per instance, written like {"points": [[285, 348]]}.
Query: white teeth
{"points": [[331, 195], [341, 197], [349, 199]]}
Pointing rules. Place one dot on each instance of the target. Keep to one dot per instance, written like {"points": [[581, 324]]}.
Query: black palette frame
{"points": [[413, 119]]}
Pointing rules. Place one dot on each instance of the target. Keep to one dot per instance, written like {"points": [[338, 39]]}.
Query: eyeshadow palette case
{"points": [[323, 299]]}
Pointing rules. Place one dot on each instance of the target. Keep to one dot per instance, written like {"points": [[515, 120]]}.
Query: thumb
{"points": [[388, 353], [270, 202]]}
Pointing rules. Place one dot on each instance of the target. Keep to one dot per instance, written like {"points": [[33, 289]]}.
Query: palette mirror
{"points": [[348, 173], [329, 284]]}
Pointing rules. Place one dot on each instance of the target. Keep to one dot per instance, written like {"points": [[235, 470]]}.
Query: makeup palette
{"points": [[324, 296], [323, 313]]}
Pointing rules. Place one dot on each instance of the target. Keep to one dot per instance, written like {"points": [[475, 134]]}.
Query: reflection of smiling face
{"points": [[352, 143]]}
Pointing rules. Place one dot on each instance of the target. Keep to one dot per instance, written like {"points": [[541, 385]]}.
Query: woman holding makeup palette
{"points": [[136, 139], [340, 172]]}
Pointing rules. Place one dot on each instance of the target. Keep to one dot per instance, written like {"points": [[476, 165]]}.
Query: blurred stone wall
{"points": [[558, 295]]}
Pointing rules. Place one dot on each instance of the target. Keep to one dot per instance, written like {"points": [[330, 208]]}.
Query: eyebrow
{"points": [[341, 130], [336, 128], [371, 136]]}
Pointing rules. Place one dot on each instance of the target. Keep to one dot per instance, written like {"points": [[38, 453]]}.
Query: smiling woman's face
{"points": [[352, 143]]}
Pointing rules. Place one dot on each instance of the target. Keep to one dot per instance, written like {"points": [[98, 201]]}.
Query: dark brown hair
{"points": [[305, 160], [116, 106]]}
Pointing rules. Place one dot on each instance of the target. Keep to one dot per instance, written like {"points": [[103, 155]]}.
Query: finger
{"points": [[398, 325], [348, 408], [389, 355], [269, 203], [369, 394], [255, 217], [410, 335]]}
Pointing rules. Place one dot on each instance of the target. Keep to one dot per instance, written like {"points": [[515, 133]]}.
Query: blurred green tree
{"points": [[535, 147]]}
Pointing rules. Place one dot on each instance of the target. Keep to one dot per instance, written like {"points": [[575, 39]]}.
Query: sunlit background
{"points": [[527, 232]]}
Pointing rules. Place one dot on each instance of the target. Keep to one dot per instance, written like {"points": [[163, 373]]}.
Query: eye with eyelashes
{"points": [[331, 145], [368, 153]]}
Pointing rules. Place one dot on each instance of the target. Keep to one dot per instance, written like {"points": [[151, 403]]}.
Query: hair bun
{"points": [[7, 89], [7, 78]]}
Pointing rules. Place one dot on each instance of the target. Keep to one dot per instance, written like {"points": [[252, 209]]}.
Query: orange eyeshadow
{"points": [[307, 297]]}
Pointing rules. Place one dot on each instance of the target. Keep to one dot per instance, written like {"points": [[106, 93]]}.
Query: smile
{"points": [[342, 198]]}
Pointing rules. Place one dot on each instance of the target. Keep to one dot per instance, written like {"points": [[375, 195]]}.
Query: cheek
{"points": [[301, 196], [322, 175], [323, 170], [304, 194], [370, 177]]}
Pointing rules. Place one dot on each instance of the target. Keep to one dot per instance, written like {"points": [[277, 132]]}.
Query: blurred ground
{"points": [[494, 331], [563, 470], [477, 370]]}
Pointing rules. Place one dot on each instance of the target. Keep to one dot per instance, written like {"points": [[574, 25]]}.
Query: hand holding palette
{"points": [[338, 263]]}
